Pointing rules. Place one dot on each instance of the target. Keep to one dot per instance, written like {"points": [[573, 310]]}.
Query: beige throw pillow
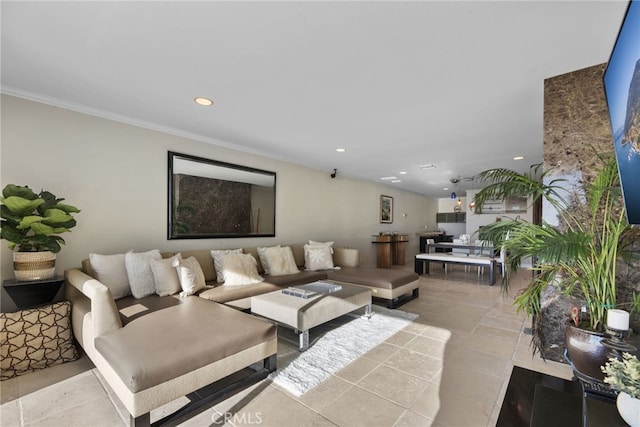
{"points": [[35, 339], [240, 269], [111, 271], [138, 265], [216, 254], [262, 254], [313, 242], [318, 257], [165, 276], [190, 275], [278, 261]]}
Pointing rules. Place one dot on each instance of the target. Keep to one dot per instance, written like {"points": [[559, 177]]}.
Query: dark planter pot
{"points": [[586, 352]]}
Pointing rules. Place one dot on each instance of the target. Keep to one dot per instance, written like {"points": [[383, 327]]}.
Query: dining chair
{"points": [[459, 251], [502, 260], [483, 248]]}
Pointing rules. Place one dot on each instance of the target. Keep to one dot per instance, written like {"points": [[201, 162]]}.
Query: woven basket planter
{"points": [[29, 266]]}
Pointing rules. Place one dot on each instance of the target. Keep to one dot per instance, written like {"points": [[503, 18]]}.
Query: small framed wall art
{"points": [[386, 209]]}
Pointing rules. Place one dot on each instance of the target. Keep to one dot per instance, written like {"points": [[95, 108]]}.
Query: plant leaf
{"points": [[21, 206], [16, 190]]}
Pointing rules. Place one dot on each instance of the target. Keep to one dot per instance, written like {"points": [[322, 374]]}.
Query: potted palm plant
{"points": [[578, 255], [31, 224]]}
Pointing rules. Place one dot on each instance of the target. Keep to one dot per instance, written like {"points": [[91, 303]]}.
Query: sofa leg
{"points": [[397, 302], [215, 393], [271, 363], [143, 420]]}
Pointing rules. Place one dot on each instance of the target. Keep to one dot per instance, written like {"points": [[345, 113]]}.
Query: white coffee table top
{"points": [[305, 313]]}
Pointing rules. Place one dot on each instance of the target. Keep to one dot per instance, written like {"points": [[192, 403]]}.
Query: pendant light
{"points": [[472, 205]]}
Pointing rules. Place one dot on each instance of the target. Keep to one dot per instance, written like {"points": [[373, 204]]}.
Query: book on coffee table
{"points": [[312, 289]]}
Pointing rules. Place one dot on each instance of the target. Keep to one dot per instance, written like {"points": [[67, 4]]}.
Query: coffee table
{"points": [[302, 314]]}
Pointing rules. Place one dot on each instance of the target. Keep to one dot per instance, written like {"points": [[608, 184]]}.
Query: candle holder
{"points": [[616, 344]]}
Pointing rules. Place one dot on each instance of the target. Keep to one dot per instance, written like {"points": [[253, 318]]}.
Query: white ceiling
{"points": [[398, 84]]}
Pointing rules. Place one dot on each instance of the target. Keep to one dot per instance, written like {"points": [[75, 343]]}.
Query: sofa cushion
{"points": [[206, 262], [386, 278], [165, 275], [313, 242], [278, 260], [215, 332], [318, 257], [298, 254], [216, 254], [139, 273], [112, 272], [262, 255], [239, 269], [225, 294], [190, 275], [296, 279], [254, 252]]}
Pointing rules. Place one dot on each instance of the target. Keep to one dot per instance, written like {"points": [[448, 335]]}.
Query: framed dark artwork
{"points": [[213, 199], [386, 209]]}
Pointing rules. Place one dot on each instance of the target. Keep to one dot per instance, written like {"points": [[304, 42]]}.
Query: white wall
{"points": [[117, 175]]}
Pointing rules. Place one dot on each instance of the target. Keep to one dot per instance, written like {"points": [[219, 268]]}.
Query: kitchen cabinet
{"points": [[451, 217], [509, 205]]}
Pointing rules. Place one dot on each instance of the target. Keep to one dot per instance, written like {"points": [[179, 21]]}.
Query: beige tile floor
{"points": [[450, 367]]}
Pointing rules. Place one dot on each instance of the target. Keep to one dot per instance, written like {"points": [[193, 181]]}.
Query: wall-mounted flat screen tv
{"points": [[622, 89]]}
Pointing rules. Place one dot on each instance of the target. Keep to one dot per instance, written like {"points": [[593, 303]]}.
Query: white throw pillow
{"points": [[240, 269], [165, 275], [318, 257], [313, 242], [111, 271], [190, 275], [279, 261], [138, 265], [216, 254], [262, 254]]}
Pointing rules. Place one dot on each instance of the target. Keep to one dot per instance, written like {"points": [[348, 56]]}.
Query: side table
{"points": [[30, 294], [390, 249]]}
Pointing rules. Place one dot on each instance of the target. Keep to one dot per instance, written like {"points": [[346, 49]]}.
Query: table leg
{"points": [[421, 266], [367, 311], [492, 277], [304, 340]]}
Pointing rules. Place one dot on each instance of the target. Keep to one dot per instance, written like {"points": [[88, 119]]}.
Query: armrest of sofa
{"points": [[104, 313], [346, 257]]}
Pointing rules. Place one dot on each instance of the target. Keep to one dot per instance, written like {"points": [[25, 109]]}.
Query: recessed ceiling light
{"points": [[396, 180], [429, 166], [403, 173], [518, 158], [445, 188], [388, 178], [206, 102], [341, 150]]}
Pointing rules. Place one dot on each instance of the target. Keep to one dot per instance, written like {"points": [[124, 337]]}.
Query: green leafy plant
{"points": [[623, 375], [579, 255], [32, 222]]}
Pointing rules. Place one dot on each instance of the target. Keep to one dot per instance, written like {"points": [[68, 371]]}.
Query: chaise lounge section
{"points": [[154, 350]]}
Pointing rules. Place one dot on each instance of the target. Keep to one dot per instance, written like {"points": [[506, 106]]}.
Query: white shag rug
{"points": [[340, 343]]}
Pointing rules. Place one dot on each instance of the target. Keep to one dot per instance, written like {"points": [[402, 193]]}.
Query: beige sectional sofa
{"points": [[394, 286], [155, 349]]}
